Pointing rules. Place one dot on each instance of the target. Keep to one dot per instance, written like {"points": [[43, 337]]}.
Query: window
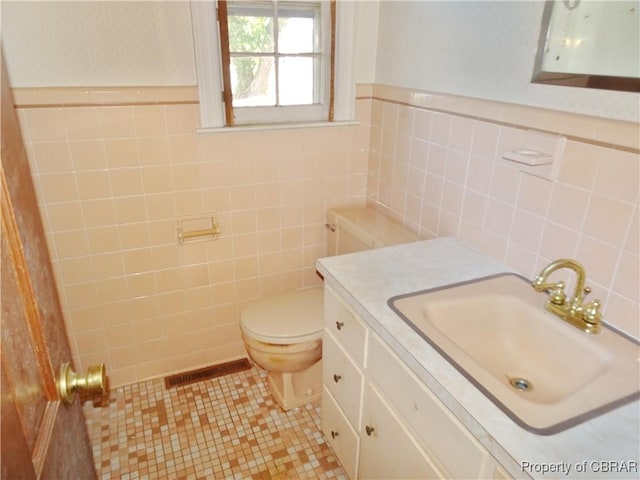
{"points": [[270, 61]]}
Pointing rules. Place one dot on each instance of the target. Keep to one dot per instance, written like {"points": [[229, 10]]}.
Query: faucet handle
{"points": [[556, 293], [592, 314]]}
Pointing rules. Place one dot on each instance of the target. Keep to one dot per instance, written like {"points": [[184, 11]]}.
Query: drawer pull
{"points": [[369, 430], [337, 378], [339, 325], [334, 434]]}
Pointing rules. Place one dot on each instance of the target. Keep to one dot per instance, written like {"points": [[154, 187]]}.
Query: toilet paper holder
{"points": [[197, 228]]}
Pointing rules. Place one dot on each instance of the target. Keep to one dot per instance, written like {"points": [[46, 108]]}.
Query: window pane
{"points": [[253, 81], [296, 81], [250, 27], [298, 28]]}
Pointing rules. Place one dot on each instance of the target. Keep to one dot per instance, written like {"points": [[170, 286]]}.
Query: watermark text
{"points": [[591, 466]]}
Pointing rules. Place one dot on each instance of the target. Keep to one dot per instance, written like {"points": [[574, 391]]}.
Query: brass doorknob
{"points": [[69, 381]]}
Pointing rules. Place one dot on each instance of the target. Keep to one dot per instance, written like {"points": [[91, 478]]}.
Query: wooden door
{"points": [[41, 437]]}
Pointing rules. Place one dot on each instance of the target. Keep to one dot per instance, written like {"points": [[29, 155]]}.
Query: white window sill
{"points": [[275, 126]]}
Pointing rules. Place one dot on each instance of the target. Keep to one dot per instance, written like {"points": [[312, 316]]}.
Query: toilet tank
{"points": [[353, 229]]}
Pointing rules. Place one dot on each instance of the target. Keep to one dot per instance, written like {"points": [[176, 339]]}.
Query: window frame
{"points": [[208, 57]]}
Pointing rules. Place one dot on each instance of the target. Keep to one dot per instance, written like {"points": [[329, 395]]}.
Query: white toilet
{"points": [[283, 333]]}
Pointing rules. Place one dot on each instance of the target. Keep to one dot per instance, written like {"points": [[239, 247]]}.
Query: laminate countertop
{"points": [[607, 446]]}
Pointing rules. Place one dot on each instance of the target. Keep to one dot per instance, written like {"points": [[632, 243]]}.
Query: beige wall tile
{"points": [[126, 181], [170, 280], [485, 140], [65, 216], [108, 265], [461, 134], [198, 298], [70, 243], [92, 341], [116, 313], [626, 277], [103, 239], [75, 270], [623, 313], [52, 157], [93, 184], [534, 194], [558, 241], [183, 148], [154, 150], [130, 209], [147, 330], [160, 205], [124, 357], [58, 187], [189, 203], [120, 335], [145, 307], [182, 118], [122, 152], [195, 276], [527, 230], [269, 192], [112, 290], [142, 284], [470, 233], [440, 128], [46, 124], [522, 259], [82, 122], [588, 212], [139, 260], [150, 120], [599, 258], [504, 183], [608, 219], [568, 205], [157, 179], [83, 319], [187, 176], [579, 165], [117, 121], [99, 213], [618, 175], [171, 303]]}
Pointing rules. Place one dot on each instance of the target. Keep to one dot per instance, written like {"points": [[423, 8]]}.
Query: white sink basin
{"points": [[545, 374]]}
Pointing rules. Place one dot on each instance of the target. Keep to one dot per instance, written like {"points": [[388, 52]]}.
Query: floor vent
{"points": [[206, 373]]}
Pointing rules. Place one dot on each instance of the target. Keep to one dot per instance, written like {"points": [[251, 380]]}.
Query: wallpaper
{"points": [[51, 44]]}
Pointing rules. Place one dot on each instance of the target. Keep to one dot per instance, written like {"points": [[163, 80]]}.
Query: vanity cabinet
{"points": [[380, 419]]}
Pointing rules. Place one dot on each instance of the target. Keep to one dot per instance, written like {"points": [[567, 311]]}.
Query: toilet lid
{"points": [[284, 317]]}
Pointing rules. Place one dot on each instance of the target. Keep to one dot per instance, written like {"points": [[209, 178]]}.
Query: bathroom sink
{"points": [[546, 374]]}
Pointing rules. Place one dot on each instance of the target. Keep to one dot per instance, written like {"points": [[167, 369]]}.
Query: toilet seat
{"points": [[291, 317]]}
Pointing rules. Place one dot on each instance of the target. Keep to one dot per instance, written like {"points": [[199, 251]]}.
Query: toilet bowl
{"points": [[282, 333]]}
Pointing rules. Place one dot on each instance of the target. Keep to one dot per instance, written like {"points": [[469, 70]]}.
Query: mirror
{"points": [[593, 44]]}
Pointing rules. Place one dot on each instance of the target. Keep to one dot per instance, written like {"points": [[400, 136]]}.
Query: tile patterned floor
{"points": [[225, 428]]}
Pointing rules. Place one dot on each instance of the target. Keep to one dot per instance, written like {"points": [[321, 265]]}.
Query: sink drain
{"points": [[520, 383]]}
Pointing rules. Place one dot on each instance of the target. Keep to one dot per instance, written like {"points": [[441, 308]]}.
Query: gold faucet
{"points": [[573, 310]]}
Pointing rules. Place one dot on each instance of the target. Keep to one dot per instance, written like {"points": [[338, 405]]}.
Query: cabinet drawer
{"points": [[345, 325], [441, 433], [339, 434], [343, 379]]}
